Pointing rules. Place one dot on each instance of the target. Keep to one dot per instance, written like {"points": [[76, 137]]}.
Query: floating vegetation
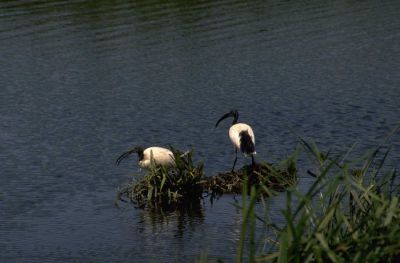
{"points": [[168, 188], [276, 178], [184, 185]]}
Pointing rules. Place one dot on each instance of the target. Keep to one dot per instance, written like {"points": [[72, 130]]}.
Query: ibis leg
{"points": [[252, 160], [234, 163]]}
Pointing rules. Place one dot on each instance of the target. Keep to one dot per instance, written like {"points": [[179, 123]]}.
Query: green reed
{"points": [[351, 213]]}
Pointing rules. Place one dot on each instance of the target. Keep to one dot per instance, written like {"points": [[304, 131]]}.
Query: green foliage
{"points": [[248, 222], [351, 213], [168, 187]]}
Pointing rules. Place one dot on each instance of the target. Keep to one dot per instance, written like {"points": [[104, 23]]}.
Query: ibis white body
{"points": [[157, 156], [241, 135], [150, 156], [235, 136]]}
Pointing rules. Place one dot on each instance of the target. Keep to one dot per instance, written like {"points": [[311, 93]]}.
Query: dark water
{"points": [[82, 81]]}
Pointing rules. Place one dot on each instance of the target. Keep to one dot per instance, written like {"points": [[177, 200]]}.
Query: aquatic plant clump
{"points": [[278, 178], [168, 187], [351, 213], [355, 219]]}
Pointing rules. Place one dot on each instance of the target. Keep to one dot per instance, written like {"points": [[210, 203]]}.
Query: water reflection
{"points": [[176, 220]]}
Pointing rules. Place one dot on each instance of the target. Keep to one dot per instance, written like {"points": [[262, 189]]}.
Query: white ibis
{"points": [[241, 135], [150, 156]]}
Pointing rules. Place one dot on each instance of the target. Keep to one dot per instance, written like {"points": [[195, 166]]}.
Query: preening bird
{"points": [[150, 156], [241, 135]]}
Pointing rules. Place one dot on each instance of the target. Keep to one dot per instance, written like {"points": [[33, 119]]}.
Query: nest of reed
{"points": [[184, 185], [277, 178]]}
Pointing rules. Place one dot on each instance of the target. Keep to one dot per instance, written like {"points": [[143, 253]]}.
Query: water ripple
{"points": [[84, 80]]}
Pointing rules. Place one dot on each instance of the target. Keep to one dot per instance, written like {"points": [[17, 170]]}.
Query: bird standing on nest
{"points": [[241, 135]]}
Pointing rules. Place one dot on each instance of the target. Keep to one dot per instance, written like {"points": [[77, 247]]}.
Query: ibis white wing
{"points": [[160, 156]]}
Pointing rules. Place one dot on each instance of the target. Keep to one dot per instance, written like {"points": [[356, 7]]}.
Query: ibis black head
{"points": [[232, 113], [138, 150]]}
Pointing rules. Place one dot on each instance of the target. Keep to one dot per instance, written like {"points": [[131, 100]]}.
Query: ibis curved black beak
{"points": [[138, 150], [233, 113], [229, 114]]}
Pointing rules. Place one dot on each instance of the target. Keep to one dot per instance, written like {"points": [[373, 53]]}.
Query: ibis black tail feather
{"points": [[246, 143]]}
